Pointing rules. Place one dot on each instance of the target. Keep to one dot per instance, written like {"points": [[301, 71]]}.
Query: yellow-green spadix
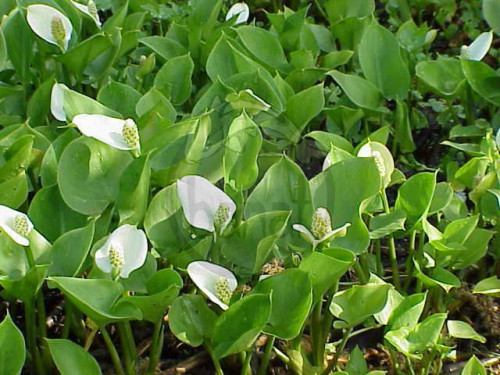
{"points": [[15, 225]]}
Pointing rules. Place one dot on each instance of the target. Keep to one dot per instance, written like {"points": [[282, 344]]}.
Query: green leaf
{"points": [[240, 325], [489, 286], [408, 312], [483, 79], [327, 140], [98, 299], [174, 79], [357, 363], [444, 76], [291, 298], [19, 43], [76, 104], [283, 188], [264, 46], [71, 358], [250, 245], [120, 98], [382, 64], [340, 9], [242, 148], [12, 347], [165, 47], [442, 197], [155, 103], [190, 319], [133, 198], [39, 104], [89, 175], [474, 367], [385, 224], [463, 330], [356, 304], [491, 10], [70, 251], [304, 106], [415, 197], [361, 92], [344, 189], [163, 287], [326, 268]]}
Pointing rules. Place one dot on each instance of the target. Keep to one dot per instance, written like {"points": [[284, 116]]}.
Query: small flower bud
{"points": [[321, 223], [116, 258], [146, 65], [379, 161], [21, 225], [221, 215], [131, 134], [222, 290], [58, 32]]}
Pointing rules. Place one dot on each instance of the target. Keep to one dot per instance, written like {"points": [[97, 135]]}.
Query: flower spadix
{"points": [[120, 134], [382, 157], [123, 252], [50, 24], [16, 225], [321, 228], [240, 11], [205, 206], [90, 10], [478, 48], [216, 282]]}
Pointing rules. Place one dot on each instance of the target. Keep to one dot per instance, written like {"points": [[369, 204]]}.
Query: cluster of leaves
{"points": [[227, 173]]}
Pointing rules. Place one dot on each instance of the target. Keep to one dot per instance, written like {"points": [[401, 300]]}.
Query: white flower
{"points": [[240, 10], [382, 157], [120, 134], [321, 230], [124, 251], [216, 282], [57, 101], [90, 10], [205, 206], [50, 24], [16, 225], [478, 48]]}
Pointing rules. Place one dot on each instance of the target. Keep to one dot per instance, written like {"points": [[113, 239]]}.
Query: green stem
{"points": [[156, 347], [112, 351], [218, 368], [338, 352], [320, 9], [68, 309], [410, 366], [453, 112], [392, 248], [316, 333], [246, 368], [42, 316], [404, 10], [126, 349], [409, 260], [30, 319], [90, 339], [363, 279], [267, 355]]}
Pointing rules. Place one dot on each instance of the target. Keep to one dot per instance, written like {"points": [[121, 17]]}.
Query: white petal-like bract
{"points": [[240, 10], [478, 48], [201, 200], [45, 21], [57, 102], [206, 275], [90, 10], [11, 220]]}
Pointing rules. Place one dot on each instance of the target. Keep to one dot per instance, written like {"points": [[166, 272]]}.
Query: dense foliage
{"points": [[290, 187]]}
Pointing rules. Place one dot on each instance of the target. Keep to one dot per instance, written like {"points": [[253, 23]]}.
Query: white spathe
{"points": [[478, 48], [240, 10], [57, 102], [87, 10], [8, 218], [106, 129], [200, 200], [206, 275], [132, 245], [41, 17], [309, 237]]}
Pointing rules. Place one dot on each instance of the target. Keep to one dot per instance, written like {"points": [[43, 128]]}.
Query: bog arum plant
{"points": [[90, 10], [120, 134], [240, 11], [321, 228], [124, 251], [216, 282], [382, 157], [478, 48], [50, 24], [15, 225], [205, 206]]}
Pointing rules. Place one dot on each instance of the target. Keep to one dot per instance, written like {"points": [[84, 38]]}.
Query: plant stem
{"points": [[112, 351], [320, 9], [338, 352], [246, 368], [410, 366], [156, 347], [30, 320], [392, 248], [363, 279], [267, 355], [90, 339], [218, 368], [68, 309], [453, 112], [409, 260], [126, 349], [316, 332]]}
